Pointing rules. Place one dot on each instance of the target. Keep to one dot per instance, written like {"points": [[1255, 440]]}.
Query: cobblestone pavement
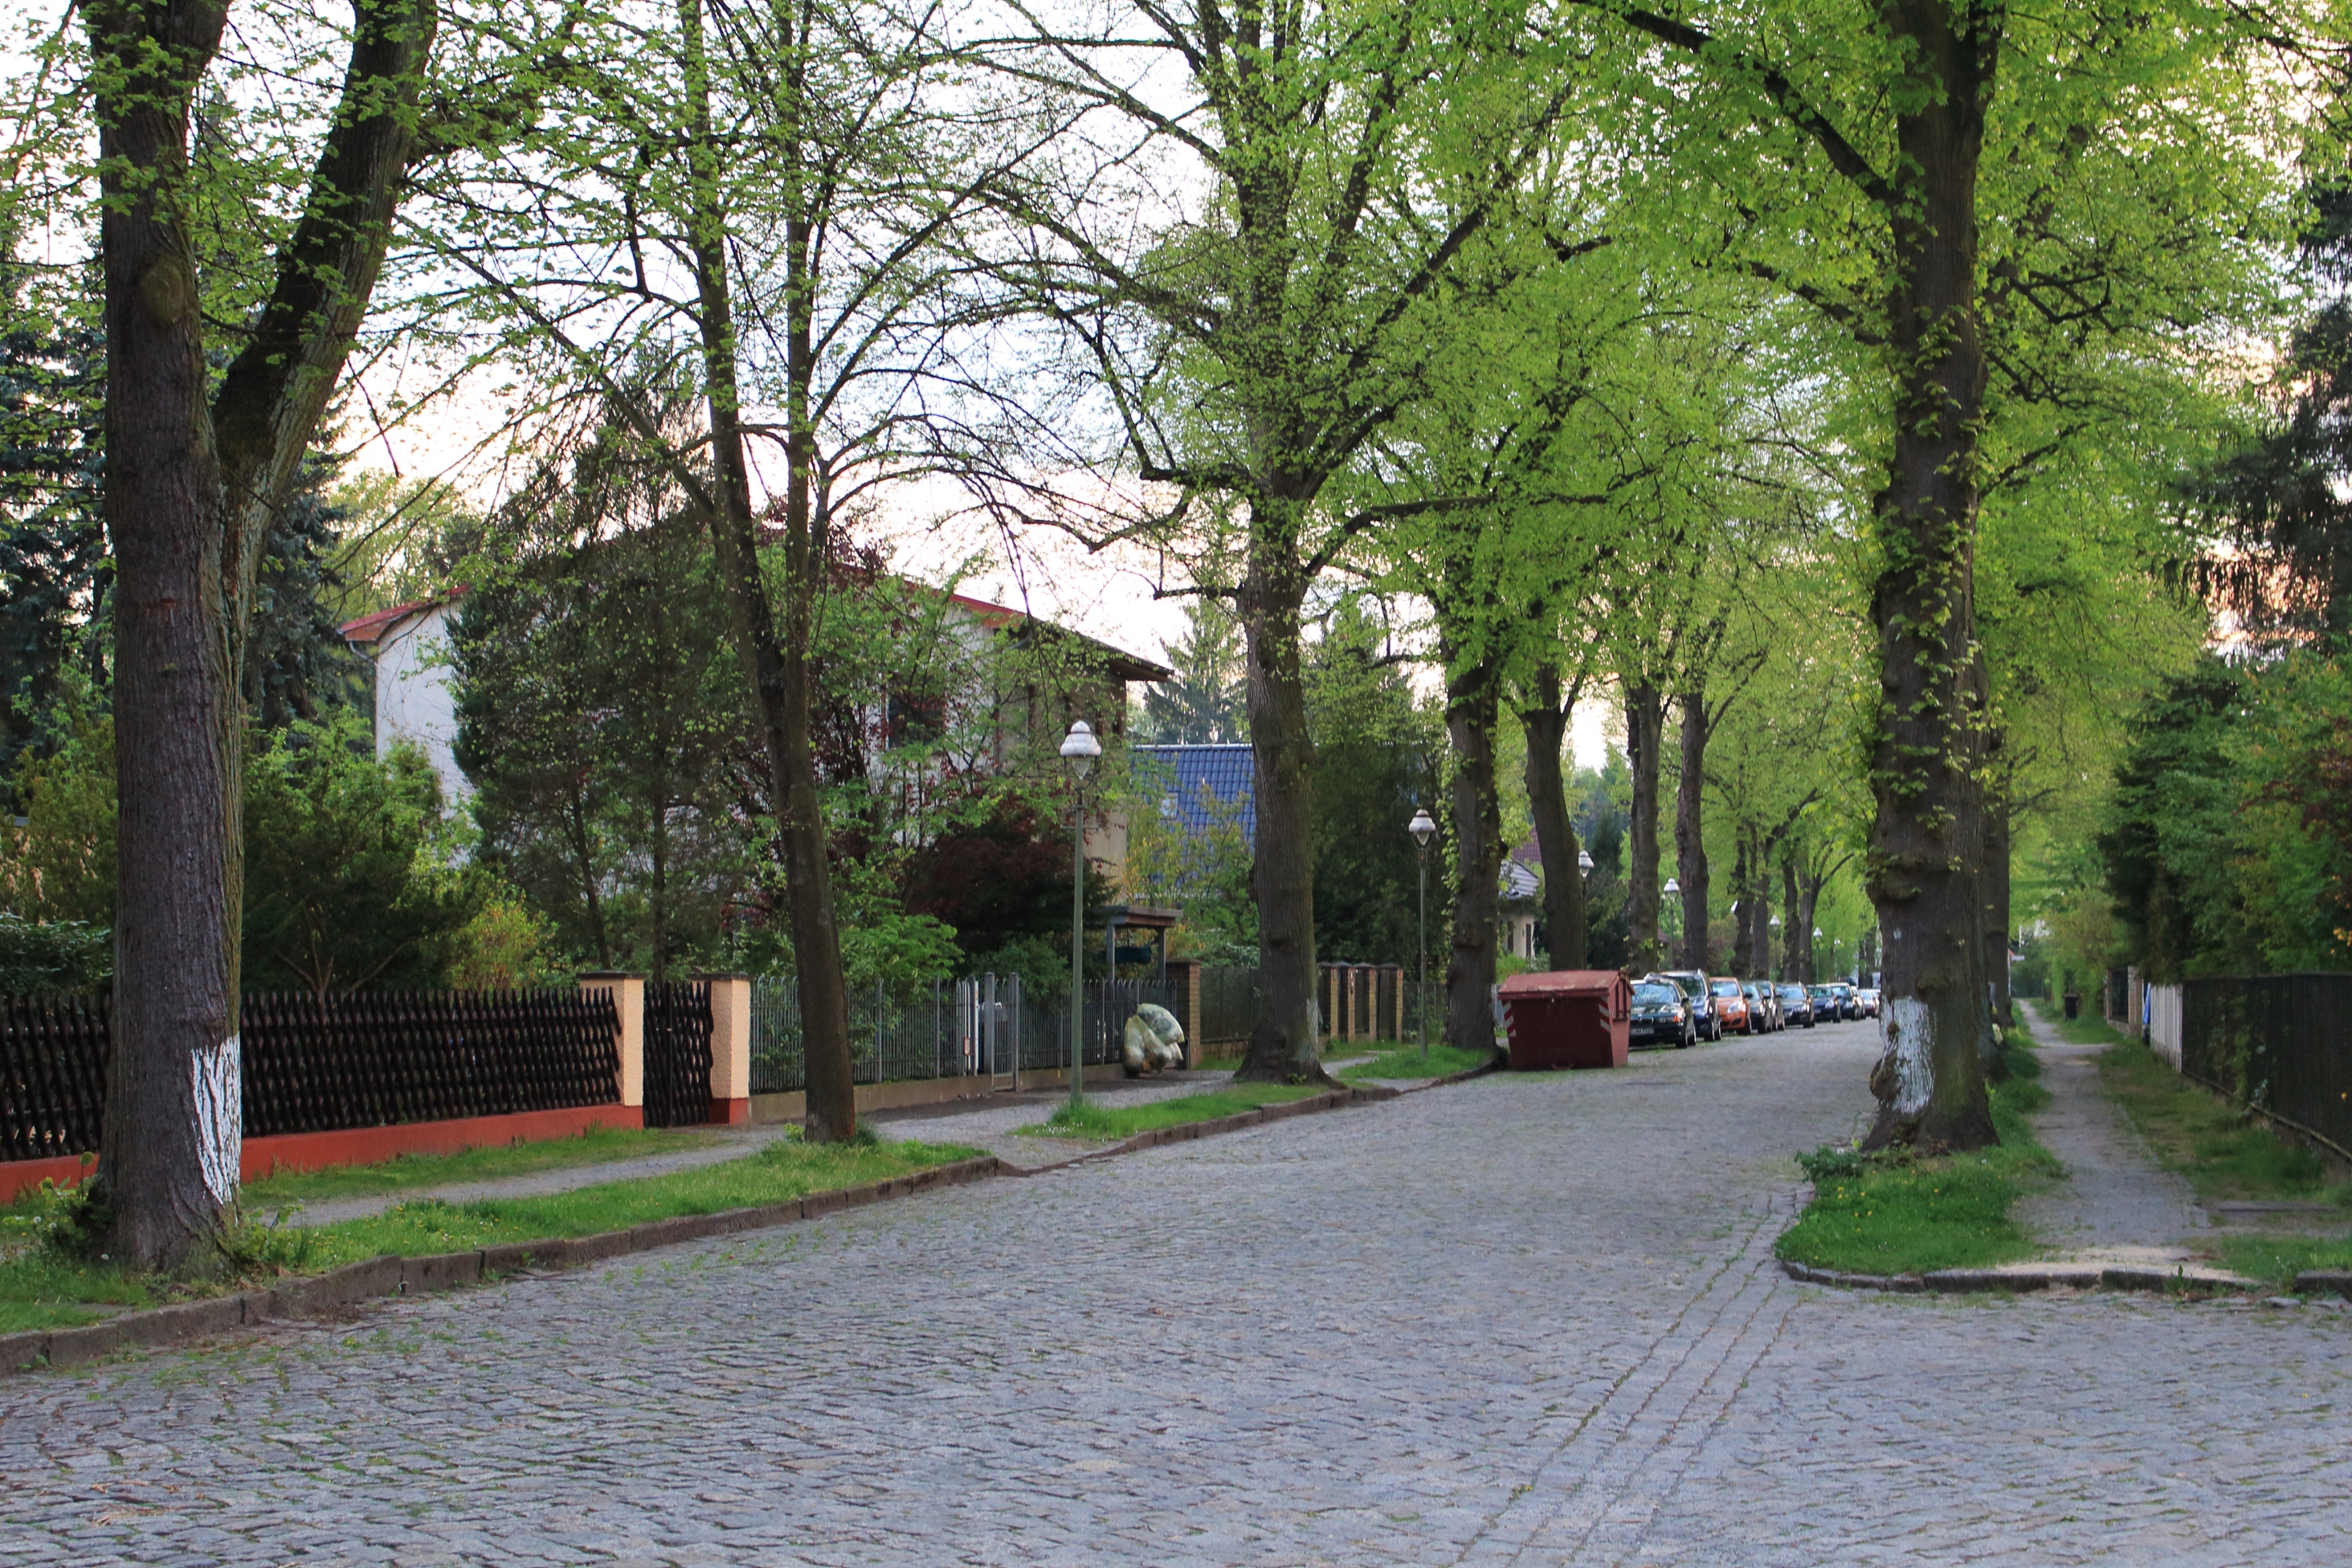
{"points": [[1519, 1319]]}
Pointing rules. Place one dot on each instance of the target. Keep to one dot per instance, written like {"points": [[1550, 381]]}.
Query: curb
{"points": [[1185, 1132], [1961, 1281], [389, 1276]]}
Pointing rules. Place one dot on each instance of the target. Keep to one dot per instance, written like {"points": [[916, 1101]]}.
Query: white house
{"points": [[415, 701]]}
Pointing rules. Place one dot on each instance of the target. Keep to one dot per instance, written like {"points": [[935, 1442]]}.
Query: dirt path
{"points": [[2118, 1204]]}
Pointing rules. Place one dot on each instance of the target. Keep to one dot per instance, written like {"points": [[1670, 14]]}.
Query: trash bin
{"points": [[2073, 1003], [1568, 1018]]}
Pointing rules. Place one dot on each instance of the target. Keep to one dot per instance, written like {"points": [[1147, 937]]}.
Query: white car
{"points": [[1865, 1001]]}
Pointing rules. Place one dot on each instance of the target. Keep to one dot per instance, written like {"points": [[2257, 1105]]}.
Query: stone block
{"points": [[439, 1271], [187, 1321], [22, 1352], [2318, 1282], [515, 1257], [341, 1286], [72, 1347]]}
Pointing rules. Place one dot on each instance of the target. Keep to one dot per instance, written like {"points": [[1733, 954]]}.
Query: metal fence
{"points": [[1045, 1024], [983, 1025], [370, 1059], [948, 1029], [2280, 1044]]}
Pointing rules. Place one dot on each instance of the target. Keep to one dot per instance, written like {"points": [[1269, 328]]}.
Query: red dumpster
{"points": [[1568, 1018]]}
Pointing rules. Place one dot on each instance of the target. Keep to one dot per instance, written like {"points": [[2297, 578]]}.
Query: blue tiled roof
{"points": [[1192, 779]]}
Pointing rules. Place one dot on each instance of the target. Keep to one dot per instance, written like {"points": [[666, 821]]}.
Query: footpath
{"points": [[2117, 1206], [989, 1123]]}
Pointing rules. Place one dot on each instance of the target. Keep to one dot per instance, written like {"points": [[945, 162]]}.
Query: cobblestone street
{"points": [[1518, 1320]]}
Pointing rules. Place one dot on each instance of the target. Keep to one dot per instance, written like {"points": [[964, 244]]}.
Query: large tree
{"points": [[197, 464], [1242, 350], [1974, 196]]}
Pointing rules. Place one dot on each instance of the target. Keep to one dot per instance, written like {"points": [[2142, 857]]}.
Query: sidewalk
{"points": [[987, 1123], [2117, 1206]]}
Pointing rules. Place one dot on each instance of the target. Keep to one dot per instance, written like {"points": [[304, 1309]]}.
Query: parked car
{"points": [[1847, 1006], [1866, 998], [1662, 1016], [1825, 1003], [1693, 988], [1796, 1004], [1731, 1010], [1761, 1004]]}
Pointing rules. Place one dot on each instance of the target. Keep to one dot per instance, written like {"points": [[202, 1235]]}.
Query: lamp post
{"points": [[1424, 827], [1671, 891], [1079, 750]]}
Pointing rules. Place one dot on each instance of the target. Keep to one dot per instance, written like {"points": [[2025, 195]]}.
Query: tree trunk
{"points": [[172, 1092], [1810, 903], [1645, 732], [191, 488], [1760, 908], [1927, 836], [1743, 910], [1471, 707], [1996, 900], [1690, 829], [777, 665], [1282, 1046], [1546, 726], [1792, 944]]}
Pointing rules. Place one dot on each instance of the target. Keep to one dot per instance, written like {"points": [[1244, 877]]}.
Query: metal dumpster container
{"points": [[1568, 1018]]}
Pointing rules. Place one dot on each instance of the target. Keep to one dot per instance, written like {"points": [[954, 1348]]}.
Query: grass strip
{"points": [[2226, 1152], [1093, 1119], [407, 1173], [1406, 1062], [1902, 1214], [41, 1288]]}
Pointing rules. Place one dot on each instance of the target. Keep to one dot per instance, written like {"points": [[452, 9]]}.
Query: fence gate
{"points": [[678, 1053], [988, 1029]]}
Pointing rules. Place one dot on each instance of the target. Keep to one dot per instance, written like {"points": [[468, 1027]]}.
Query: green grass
{"points": [[2223, 1151], [407, 1173], [2279, 1259], [1093, 1119], [1405, 1061], [41, 1289], [1876, 1215]]}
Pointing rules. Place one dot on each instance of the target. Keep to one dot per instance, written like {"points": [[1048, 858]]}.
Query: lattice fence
{"points": [[371, 1058], [678, 1053], [52, 1076], [361, 1060]]}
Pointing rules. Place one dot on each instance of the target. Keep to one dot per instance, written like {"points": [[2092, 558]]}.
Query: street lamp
{"points": [[1079, 750], [1672, 890], [1584, 861], [1424, 828]]}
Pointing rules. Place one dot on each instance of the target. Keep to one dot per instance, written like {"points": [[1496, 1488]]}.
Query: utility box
{"points": [[1568, 1018]]}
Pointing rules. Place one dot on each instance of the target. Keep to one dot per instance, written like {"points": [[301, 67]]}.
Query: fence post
{"points": [[730, 1047], [628, 995], [1186, 973]]}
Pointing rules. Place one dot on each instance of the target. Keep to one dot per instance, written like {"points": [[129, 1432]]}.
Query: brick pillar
{"points": [[1186, 973], [628, 995], [730, 1047], [1330, 1000]]}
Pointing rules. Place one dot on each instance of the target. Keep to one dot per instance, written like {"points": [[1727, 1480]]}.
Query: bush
{"points": [[53, 957]]}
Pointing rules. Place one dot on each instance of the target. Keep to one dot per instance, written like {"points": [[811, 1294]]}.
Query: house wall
{"points": [[415, 696]]}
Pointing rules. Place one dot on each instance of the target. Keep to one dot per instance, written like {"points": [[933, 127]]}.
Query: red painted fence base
{"points": [[362, 1145]]}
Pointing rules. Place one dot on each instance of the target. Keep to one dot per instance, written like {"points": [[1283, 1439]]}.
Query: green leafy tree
{"points": [[351, 875]]}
